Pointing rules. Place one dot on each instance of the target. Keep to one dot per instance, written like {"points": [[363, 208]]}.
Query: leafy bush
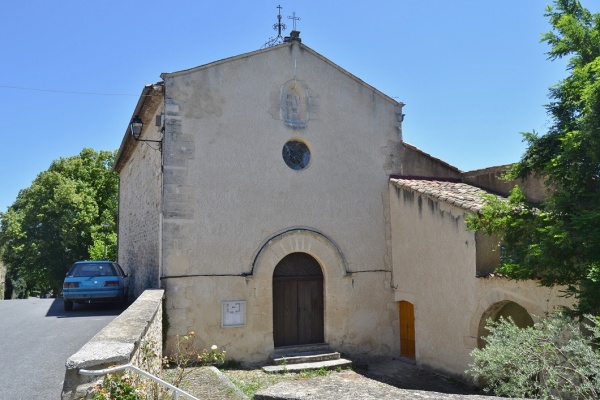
{"points": [[557, 358], [116, 386], [186, 355]]}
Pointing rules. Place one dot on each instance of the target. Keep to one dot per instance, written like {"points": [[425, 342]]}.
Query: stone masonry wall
{"points": [[2, 280], [137, 331], [491, 179], [139, 223]]}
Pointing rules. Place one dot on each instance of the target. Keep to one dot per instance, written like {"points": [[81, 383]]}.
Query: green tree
{"points": [[558, 241], [59, 219]]}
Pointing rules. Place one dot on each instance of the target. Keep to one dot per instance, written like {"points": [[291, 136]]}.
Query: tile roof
{"points": [[459, 194]]}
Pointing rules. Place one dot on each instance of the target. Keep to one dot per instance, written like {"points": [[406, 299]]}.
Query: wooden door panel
{"points": [[310, 311], [297, 301], [285, 313], [407, 329]]}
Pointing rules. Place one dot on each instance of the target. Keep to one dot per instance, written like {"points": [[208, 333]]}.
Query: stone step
{"points": [[304, 357], [298, 354], [303, 348], [309, 366]]}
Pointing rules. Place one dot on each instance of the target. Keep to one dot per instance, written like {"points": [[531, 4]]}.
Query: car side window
{"points": [[119, 269], [74, 271]]}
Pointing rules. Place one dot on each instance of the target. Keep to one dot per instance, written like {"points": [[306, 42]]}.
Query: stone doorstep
{"points": [[302, 348], [289, 352], [308, 366], [301, 358]]}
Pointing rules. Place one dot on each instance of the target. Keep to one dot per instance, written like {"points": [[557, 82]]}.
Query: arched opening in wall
{"points": [[407, 329], [503, 309], [298, 316]]}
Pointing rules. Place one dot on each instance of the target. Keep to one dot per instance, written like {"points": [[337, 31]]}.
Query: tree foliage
{"points": [[60, 218], [557, 358], [558, 241]]}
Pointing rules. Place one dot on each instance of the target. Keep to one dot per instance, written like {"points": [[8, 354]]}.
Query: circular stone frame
{"points": [[296, 154]]}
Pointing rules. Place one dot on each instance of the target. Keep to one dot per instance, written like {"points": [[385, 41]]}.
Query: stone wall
{"points": [[139, 164], [435, 269], [139, 222], [360, 314], [138, 329], [417, 163], [228, 193], [491, 179], [2, 280]]}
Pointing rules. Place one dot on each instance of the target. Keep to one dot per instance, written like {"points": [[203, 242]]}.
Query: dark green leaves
{"points": [[56, 220], [558, 241]]}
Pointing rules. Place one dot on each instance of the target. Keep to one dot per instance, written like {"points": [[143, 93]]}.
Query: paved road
{"points": [[37, 337]]}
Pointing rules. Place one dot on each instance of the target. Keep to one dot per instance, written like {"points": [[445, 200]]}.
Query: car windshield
{"points": [[98, 269]]}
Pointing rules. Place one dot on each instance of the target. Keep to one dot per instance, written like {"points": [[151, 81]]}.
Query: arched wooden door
{"points": [[297, 301], [407, 330]]}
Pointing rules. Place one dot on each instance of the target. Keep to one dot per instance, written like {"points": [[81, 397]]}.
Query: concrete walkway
{"points": [[388, 379], [405, 375]]}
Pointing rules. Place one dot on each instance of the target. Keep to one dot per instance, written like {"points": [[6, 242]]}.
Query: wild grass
{"points": [[251, 381]]}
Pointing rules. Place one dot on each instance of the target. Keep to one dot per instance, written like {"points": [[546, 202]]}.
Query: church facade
{"points": [[272, 196]]}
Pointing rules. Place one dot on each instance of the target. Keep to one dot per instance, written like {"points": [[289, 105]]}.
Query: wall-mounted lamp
{"points": [[135, 128]]}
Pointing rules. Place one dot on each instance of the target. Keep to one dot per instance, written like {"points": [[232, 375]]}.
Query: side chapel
{"points": [[272, 196]]}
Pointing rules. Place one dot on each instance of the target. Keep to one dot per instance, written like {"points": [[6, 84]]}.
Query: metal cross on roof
{"points": [[279, 27], [294, 18]]}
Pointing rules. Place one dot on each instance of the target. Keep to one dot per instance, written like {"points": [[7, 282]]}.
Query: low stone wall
{"points": [[138, 329]]}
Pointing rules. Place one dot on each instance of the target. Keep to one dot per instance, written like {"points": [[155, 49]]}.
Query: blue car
{"points": [[95, 281]]}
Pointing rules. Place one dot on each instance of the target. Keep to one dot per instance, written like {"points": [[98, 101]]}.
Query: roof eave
{"points": [[128, 143]]}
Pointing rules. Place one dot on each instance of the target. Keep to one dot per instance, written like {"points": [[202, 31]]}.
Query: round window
{"points": [[296, 155]]}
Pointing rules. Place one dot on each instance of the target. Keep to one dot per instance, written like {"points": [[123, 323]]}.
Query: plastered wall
{"points": [[227, 191], [434, 264], [360, 317]]}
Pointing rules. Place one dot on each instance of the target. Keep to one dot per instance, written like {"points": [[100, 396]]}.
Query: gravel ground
{"points": [[235, 384], [209, 383], [214, 384]]}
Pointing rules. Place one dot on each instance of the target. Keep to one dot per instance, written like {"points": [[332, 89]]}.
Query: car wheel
{"points": [[121, 302], [68, 305]]}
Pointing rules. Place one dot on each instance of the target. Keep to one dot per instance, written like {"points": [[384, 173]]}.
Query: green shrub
{"points": [[117, 386], [133, 386], [557, 358]]}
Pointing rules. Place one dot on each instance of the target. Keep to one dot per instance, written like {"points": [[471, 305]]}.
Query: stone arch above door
{"points": [[328, 255], [300, 240]]}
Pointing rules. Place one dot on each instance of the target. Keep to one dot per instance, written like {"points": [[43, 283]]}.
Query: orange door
{"points": [[407, 330]]}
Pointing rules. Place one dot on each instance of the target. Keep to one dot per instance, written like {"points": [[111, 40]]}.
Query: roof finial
{"points": [[279, 27], [294, 18]]}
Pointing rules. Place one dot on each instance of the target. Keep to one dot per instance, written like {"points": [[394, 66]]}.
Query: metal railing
{"points": [[176, 390]]}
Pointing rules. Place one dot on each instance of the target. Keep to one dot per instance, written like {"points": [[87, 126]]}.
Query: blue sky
{"points": [[472, 73]]}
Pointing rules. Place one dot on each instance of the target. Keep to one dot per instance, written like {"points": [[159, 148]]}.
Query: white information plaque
{"points": [[233, 313]]}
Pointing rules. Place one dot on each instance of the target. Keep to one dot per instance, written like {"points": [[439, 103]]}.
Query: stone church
{"points": [[273, 198]]}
